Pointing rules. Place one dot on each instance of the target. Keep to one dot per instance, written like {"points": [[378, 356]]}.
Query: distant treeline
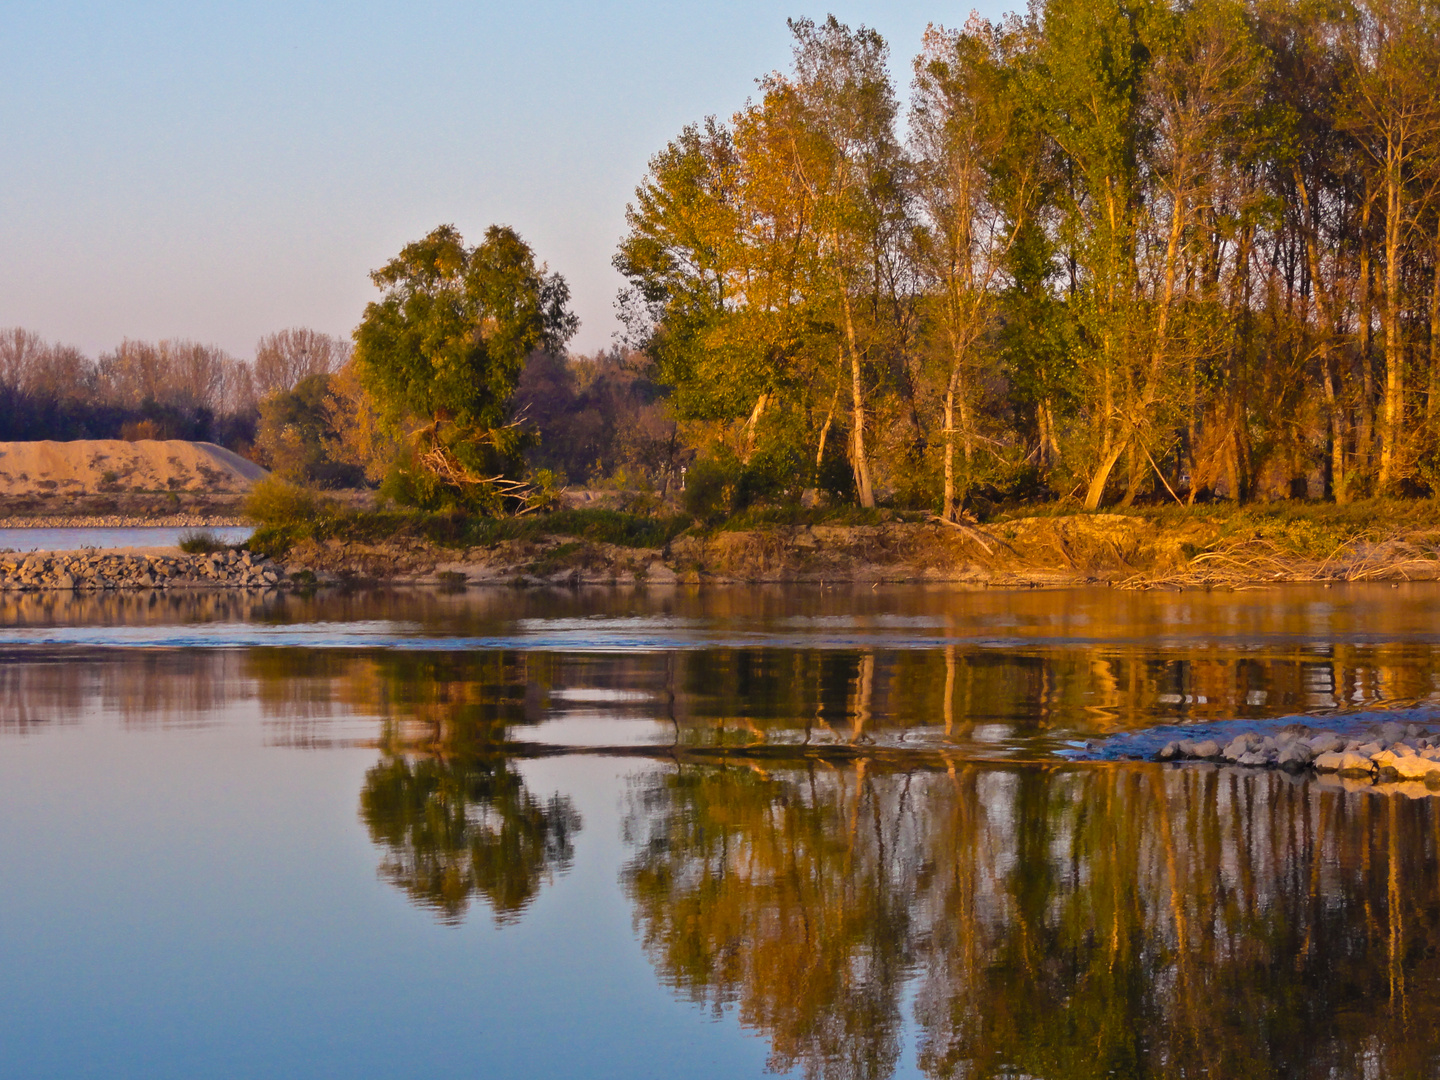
{"points": [[299, 407], [1113, 249], [173, 389]]}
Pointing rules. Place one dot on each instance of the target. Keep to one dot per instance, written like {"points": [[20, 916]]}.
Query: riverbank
{"points": [[1141, 549], [346, 539]]}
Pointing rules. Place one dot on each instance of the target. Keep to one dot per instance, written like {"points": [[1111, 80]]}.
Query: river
{"points": [[24, 540], [715, 833]]}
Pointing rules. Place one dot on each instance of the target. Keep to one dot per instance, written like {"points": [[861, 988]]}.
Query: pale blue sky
{"points": [[218, 171]]}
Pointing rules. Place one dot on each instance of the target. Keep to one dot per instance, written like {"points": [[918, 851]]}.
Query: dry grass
{"points": [[1242, 561]]}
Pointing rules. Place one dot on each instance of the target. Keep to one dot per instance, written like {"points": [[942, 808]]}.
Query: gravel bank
{"points": [[97, 570]]}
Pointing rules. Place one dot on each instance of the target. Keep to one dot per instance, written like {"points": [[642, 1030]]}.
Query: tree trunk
{"points": [[859, 459], [947, 502], [1432, 397], [1096, 491], [752, 425], [1365, 444], [1324, 307], [1133, 474], [1336, 416], [1394, 419], [825, 431]]}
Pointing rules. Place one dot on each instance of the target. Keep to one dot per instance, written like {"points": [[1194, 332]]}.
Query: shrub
{"points": [[712, 487], [201, 542], [273, 503]]}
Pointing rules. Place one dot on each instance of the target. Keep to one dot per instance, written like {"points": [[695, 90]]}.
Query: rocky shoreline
{"points": [[1384, 752], [99, 570]]}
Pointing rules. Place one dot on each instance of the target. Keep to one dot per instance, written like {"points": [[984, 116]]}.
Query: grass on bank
{"points": [[286, 515], [202, 542]]}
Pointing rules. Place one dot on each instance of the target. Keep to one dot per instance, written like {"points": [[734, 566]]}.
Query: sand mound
{"points": [[93, 465]]}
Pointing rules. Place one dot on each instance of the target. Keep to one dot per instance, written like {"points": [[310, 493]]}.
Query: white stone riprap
{"points": [[1386, 752]]}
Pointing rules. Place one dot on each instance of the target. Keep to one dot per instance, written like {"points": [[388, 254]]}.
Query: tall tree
{"points": [[1392, 107], [838, 109], [964, 124], [442, 351]]}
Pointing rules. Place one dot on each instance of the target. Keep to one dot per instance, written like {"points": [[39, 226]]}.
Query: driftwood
{"points": [[966, 530]]}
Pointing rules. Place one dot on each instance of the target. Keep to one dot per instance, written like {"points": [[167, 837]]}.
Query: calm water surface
{"points": [[75, 539], [672, 833]]}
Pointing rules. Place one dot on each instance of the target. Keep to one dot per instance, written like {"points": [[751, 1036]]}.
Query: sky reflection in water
{"points": [[332, 856]]}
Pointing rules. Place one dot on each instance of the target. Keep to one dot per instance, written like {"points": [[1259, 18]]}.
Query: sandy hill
{"points": [[92, 465]]}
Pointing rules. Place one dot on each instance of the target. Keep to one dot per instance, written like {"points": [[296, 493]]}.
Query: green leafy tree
{"points": [[297, 432], [441, 354]]}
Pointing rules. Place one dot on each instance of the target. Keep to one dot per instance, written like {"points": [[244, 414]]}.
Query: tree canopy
{"points": [[1122, 249], [442, 351]]}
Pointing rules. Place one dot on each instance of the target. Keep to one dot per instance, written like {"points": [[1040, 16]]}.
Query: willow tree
{"points": [[442, 351]]}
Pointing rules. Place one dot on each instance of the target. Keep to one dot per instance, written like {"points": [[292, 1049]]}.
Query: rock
{"points": [[1325, 743], [1353, 763], [1392, 732], [1252, 758], [658, 573], [1385, 759], [64, 581], [1186, 748], [1369, 749], [1169, 751], [1238, 748], [1416, 768], [1293, 757], [1329, 761], [1402, 749], [1209, 748]]}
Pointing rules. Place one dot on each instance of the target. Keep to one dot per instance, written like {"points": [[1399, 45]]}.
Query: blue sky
{"points": [[218, 171]]}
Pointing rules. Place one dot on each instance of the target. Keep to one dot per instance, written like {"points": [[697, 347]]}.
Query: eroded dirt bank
{"points": [[1041, 551]]}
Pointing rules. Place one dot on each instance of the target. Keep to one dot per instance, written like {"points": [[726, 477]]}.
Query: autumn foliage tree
{"points": [[1129, 249]]}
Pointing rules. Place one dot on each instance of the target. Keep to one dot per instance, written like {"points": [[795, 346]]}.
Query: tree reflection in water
{"points": [[1115, 921], [454, 828], [454, 818]]}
